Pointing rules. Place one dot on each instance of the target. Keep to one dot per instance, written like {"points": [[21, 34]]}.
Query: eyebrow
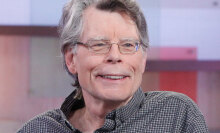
{"points": [[99, 39], [128, 39], [106, 39]]}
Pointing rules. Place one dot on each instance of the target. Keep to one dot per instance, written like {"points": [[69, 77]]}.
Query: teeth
{"points": [[113, 77]]}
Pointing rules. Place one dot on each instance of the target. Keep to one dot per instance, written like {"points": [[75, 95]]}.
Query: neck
{"points": [[92, 116]]}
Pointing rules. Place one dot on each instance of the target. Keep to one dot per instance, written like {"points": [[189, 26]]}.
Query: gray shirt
{"points": [[151, 112]]}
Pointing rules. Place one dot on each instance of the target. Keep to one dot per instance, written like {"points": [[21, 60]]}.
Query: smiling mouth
{"points": [[113, 77]]}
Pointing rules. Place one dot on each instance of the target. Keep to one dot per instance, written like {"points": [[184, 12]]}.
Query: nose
{"points": [[114, 55]]}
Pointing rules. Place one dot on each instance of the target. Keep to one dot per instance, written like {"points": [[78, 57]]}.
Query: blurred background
{"points": [[183, 57]]}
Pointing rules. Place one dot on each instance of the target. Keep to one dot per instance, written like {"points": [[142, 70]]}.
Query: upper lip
{"points": [[113, 75]]}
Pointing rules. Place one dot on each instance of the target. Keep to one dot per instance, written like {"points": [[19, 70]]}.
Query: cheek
{"points": [[143, 62], [86, 64], [139, 64], [84, 72], [139, 70], [143, 66]]}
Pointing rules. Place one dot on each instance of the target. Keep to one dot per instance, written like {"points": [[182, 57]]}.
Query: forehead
{"points": [[111, 25]]}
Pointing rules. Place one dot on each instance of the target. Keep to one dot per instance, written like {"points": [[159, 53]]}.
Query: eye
{"points": [[98, 44], [128, 44]]}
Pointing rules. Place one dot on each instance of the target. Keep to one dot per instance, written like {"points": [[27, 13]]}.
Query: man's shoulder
{"points": [[46, 121], [172, 100], [174, 108], [163, 95], [52, 115]]}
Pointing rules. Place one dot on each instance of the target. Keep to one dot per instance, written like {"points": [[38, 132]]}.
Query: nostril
{"points": [[119, 61], [115, 60], [109, 60]]}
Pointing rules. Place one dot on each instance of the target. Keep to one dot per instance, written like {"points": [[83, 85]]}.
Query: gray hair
{"points": [[71, 24]]}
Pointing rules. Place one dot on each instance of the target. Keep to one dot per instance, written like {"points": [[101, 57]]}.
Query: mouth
{"points": [[116, 74], [113, 77]]}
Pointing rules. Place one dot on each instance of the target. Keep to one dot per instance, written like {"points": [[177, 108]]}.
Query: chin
{"points": [[117, 96]]}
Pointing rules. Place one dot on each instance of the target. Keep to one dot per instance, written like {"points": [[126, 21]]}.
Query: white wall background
{"points": [[15, 12], [46, 12], [30, 12], [192, 23]]}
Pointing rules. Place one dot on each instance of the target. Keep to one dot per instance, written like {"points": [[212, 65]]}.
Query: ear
{"points": [[70, 61]]}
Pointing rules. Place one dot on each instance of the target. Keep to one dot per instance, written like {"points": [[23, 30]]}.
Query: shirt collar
{"points": [[115, 117], [71, 104], [133, 106]]}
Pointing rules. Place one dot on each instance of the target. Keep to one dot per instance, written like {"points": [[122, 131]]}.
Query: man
{"points": [[104, 46]]}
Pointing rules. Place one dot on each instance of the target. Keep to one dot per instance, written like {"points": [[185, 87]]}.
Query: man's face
{"points": [[112, 76]]}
